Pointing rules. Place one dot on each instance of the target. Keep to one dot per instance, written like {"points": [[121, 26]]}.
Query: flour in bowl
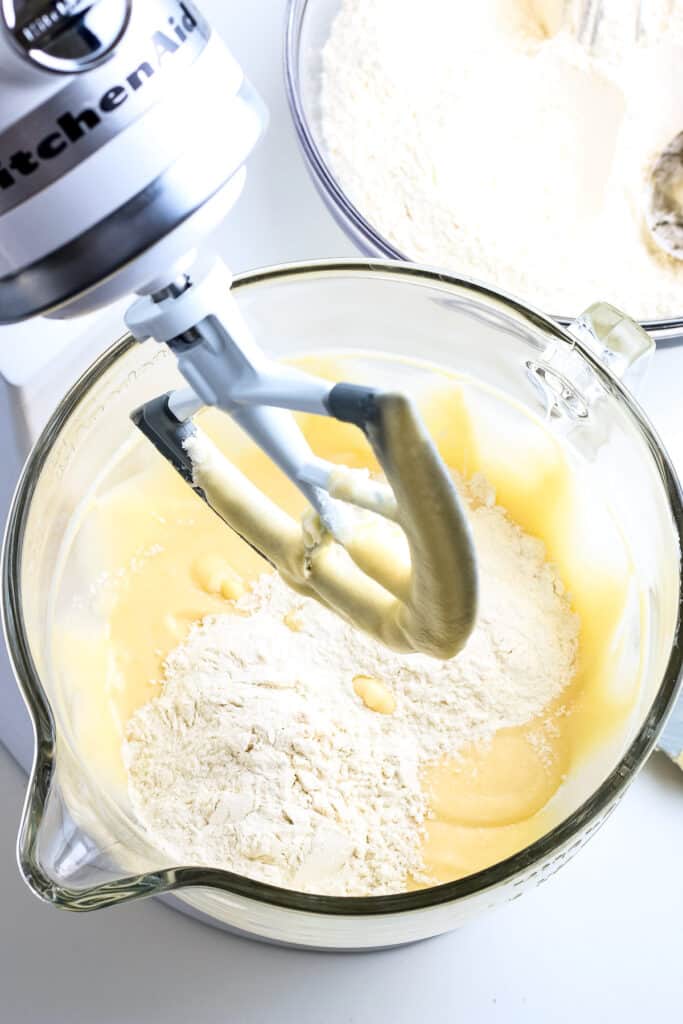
{"points": [[259, 755], [482, 138]]}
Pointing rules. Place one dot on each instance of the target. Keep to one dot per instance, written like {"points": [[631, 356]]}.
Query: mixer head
{"points": [[113, 160]]}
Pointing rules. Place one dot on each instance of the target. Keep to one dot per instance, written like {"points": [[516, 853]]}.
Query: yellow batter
{"points": [[413, 592], [171, 561]]}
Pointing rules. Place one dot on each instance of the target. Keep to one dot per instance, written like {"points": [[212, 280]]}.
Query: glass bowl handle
{"points": [[620, 344]]}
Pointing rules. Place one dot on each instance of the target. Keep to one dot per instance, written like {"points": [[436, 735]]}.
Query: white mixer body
{"points": [[110, 176]]}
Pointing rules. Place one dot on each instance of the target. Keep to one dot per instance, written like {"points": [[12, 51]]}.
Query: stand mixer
{"points": [[114, 166]]}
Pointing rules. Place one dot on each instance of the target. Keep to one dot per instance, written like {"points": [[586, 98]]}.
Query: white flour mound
{"points": [[481, 137], [258, 756]]}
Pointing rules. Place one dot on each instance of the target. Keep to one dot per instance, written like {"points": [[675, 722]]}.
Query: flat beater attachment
{"points": [[395, 558]]}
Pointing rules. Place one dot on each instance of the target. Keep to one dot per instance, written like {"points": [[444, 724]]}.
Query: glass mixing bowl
{"points": [[308, 28], [80, 846]]}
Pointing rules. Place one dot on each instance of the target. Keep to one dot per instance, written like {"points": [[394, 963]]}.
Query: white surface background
{"points": [[600, 941]]}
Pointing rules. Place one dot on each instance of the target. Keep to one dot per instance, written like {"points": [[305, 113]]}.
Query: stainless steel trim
{"points": [[109, 245], [66, 36]]}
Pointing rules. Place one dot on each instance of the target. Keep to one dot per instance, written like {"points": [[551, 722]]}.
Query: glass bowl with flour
{"points": [[483, 139], [204, 731]]}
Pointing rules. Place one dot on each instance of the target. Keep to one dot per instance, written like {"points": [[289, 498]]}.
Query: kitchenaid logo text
{"points": [[76, 133]]}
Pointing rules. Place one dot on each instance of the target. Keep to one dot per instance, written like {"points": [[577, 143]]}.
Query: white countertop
{"points": [[599, 941]]}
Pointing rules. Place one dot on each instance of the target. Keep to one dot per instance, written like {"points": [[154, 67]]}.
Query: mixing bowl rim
{"points": [[548, 847], [667, 328]]}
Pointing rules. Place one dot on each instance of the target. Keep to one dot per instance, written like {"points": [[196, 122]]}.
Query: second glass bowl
{"points": [[308, 27]]}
